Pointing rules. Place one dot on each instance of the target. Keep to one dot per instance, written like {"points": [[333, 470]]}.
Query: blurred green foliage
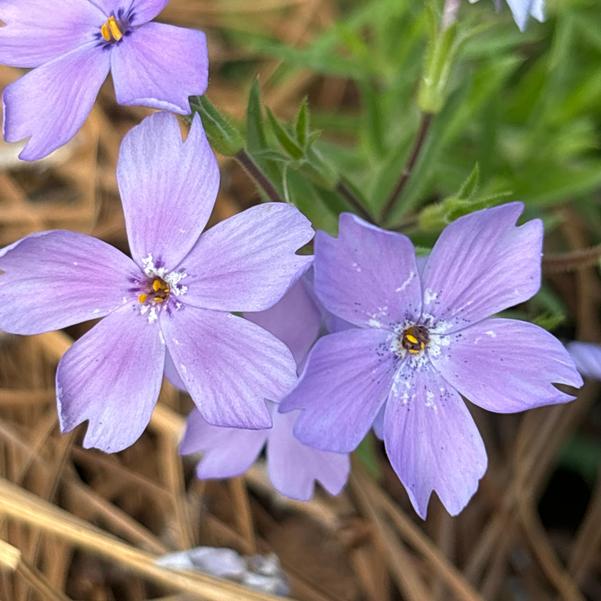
{"points": [[524, 107], [517, 117]]}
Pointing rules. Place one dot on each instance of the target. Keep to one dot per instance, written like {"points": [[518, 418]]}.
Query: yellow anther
{"points": [[142, 298], [110, 30], [157, 285], [415, 339]]}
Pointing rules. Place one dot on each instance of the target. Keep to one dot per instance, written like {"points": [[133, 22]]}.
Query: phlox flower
{"points": [[587, 357], [523, 9], [72, 45], [292, 466], [168, 308], [423, 336]]}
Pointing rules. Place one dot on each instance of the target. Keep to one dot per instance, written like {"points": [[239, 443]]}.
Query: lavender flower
{"points": [[169, 306], [422, 339], [73, 45], [587, 357], [522, 9], [292, 466]]}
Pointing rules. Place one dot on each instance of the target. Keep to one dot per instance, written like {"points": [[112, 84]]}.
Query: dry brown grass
{"points": [[77, 524]]}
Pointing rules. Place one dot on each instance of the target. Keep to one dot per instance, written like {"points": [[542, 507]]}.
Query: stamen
{"points": [[415, 339], [110, 30], [158, 292]]}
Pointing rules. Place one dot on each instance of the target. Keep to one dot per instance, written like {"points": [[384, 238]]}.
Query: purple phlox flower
{"points": [[523, 9], [292, 466], [171, 304], [73, 45], [587, 357], [423, 337]]}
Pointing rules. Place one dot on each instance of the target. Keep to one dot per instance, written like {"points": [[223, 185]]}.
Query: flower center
{"points": [[157, 292], [111, 31], [415, 339]]}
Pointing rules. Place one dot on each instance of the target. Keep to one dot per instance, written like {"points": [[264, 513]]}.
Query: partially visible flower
{"points": [[587, 357], [423, 336], [292, 466], [171, 304], [523, 9], [72, 45]]}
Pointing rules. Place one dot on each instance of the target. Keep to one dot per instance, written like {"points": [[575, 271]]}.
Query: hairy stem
{"points": [[255, 172], [350, 197], [422, 134], [573, 260]]}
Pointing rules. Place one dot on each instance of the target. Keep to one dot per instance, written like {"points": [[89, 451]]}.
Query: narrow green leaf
{"points": [[470, 185], [222, 135], [284, 138], [255, 131], [303, 126]]}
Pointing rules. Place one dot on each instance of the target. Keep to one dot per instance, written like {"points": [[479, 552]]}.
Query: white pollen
{"points": [[430, 296], [491, 333]]}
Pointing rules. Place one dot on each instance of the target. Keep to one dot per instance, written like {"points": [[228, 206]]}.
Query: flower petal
{"points": [[168, 187], [379, 423], [172, 374], [160, 66], [346, 380], [295, 320], [227, 452], [247, 262], [505, 366], [54, 279], [229, 366], [294, 467], [137, 12], [587, 357], [34, 35], [112, 377], [522, 9], [50, 104], [483, 264], [537, 10], [433, 443], [147, 10], [367, 276]]}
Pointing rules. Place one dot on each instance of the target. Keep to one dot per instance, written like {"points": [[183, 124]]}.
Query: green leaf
{"points": [[470, 185], [303, 127], [222, 135], [255, 131], [287, 142]]}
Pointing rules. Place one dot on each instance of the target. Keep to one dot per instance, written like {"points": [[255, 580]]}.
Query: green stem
{"points": [[350, 197], [422, 134], [255, 172]]}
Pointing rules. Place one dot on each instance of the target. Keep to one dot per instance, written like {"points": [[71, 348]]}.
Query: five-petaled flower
{"points": [[168, 308], [72, 45], [523, 9], [423, 337], [292, 466]]}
